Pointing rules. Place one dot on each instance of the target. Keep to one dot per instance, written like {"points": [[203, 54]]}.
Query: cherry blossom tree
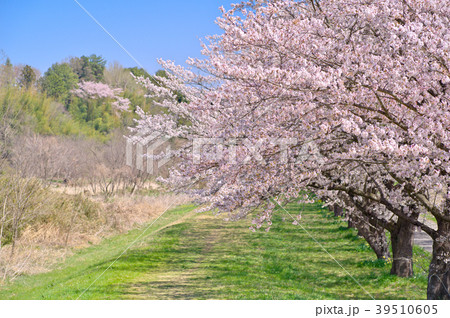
{"points": [[94, 90], [348, 98]]}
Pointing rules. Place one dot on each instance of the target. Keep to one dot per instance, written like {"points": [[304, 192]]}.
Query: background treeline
{"points": [[63, 178], [48, 99]]}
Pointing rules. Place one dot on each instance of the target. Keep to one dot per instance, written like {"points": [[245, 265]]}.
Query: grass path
{"points": [[185, 255]]}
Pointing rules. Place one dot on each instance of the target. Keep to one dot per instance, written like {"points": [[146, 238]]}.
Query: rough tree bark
{"points": [[369, 227], [402, 239], [338, 211], [373, 233], [439, 271]]}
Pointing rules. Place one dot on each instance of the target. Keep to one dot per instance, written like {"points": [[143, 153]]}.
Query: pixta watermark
{"points": [[152, 152]]}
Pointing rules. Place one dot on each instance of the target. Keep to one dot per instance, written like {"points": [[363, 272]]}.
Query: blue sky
{"points": [[42, 32]]}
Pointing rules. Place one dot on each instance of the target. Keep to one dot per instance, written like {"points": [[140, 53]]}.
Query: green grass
{"points": [[203, 257]]}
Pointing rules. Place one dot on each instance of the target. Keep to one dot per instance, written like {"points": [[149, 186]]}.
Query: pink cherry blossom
{"points": [[94, 90], [362, 87]]}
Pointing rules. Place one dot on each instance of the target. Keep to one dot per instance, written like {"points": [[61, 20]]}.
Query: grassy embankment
{"points": [[185, 255]]}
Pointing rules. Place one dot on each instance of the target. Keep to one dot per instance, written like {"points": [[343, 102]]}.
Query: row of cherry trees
{"points": [[347, 98]]}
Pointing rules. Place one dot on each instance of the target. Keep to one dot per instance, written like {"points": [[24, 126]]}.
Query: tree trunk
{"points": [[370, 228], [338, 211], [350, 224], [402, 238], [372, 233], [439, 271]]}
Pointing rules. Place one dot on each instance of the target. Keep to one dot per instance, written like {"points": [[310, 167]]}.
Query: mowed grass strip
{"points": [[199, 256]]}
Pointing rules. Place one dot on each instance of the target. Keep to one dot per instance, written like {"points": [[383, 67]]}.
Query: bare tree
{"points": [[21, 199], [108, 170], [118, 77], [48, 157]]}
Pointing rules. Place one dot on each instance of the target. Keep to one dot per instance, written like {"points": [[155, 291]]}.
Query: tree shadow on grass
{"points": [[215, 260]]}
